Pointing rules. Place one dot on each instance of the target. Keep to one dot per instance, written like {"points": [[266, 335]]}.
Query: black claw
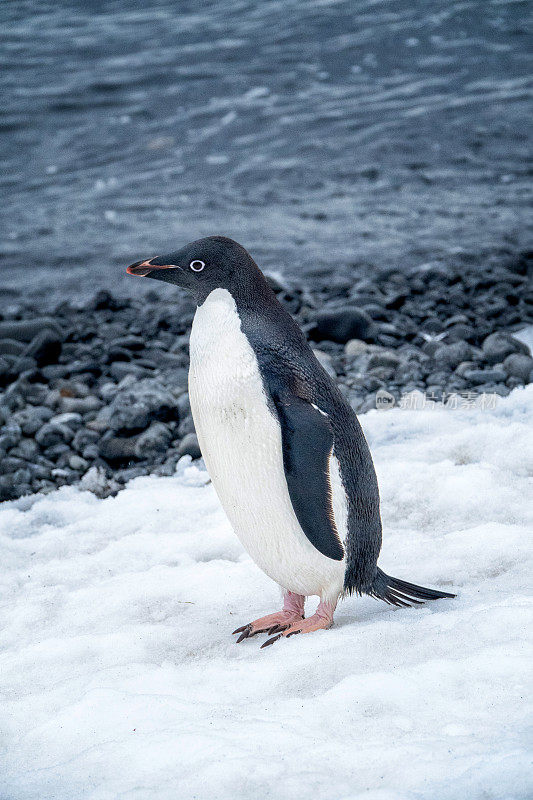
{"points": [[239, 630], [261, 630], [271, 641], [245, 634], [292, 633], [278, 628]]}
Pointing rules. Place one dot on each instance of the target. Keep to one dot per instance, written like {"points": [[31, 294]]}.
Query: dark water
{"points": [[316, 133]]}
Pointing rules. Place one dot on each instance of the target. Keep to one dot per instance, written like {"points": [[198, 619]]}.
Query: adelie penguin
{"points": [[284, 450]]}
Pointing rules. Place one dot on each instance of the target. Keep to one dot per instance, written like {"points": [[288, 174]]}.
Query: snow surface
{"points": [[119, 677]]}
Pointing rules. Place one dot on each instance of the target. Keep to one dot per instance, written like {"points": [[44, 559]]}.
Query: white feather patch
{"points": [[241, 444]]}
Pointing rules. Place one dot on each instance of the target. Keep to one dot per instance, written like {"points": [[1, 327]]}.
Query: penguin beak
{"points": [[143, 268]]}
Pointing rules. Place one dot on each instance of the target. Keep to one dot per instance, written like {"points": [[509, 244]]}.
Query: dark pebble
{"points": [[11, 347], [45, 347], [26, 330], [153, 441], [52, 433], [186, 426], [189, 446], [451, 355], [342, 325], [117, 448], [478, 377], [519, 366], [498, 346]]}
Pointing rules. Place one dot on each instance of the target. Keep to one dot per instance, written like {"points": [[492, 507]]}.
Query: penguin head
{"points": [[215, 262]]}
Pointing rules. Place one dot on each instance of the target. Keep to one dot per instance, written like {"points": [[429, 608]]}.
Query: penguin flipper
{"points": [[307, 439]]}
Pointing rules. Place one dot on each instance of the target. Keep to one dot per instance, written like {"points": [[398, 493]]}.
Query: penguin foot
{"points": [[292, 613], [272, 623], [321, 620]]}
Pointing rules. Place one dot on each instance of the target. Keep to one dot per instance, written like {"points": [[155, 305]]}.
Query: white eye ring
{"points": [[197, 265]]}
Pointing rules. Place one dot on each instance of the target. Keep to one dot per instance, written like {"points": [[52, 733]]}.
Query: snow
{"points": [[119, 677]]}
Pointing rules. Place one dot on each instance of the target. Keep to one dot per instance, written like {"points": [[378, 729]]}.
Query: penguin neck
{"points": [[248, 288], [216, 341]]}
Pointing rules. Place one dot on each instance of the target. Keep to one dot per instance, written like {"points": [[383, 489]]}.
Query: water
{"points": [[317, 133]]}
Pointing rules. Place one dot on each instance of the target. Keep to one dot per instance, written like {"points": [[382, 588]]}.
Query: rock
{"points": [[22, 481], [513, 382], [104, 300], [477, 377], [26, 449], [153, 441], [80, 405], [490, 388], [10, 464], [11, 347], [26, 330], [125, 475], [408, 372], [459, 333], [355, 347], [32, 418], [134, 407], [518, 365], [130, 342], [83, 437], [186, 426], [53, 372], [52, 398], [38, 471], [189, 446], [71, 419], [163, 360], [120, 369], [117, 448], [464, 366], [52, 433], [55, 451], [184, 405], [383, 359], [430, 347], [78, 464], [10, 435], [45, 347], [90, 452], [451, 355], [342, 325], [24, 364], [376, 312], [396, 300], [117, 354], [436, 378], [498, 346], [7, 488]]}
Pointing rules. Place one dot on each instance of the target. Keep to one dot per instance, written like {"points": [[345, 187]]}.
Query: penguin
{"points": [[284, 449]]}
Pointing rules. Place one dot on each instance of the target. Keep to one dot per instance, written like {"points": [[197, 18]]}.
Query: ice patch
{"points": [[119, 676]]}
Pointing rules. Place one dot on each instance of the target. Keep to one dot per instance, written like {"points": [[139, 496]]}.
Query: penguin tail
{"points": [[400, 593]]}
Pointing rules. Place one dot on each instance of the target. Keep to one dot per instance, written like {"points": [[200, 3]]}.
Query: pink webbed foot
{"points": [[293, 612], [321, 620]]}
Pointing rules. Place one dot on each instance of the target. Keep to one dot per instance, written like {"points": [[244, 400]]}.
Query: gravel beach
{"points": [[98, 393]]}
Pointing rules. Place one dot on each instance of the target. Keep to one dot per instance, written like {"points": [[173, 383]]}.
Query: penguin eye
{"points": [[197, 265]]}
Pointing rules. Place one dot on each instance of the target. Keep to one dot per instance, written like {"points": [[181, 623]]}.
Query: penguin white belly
{"points": [[240, 439]]}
